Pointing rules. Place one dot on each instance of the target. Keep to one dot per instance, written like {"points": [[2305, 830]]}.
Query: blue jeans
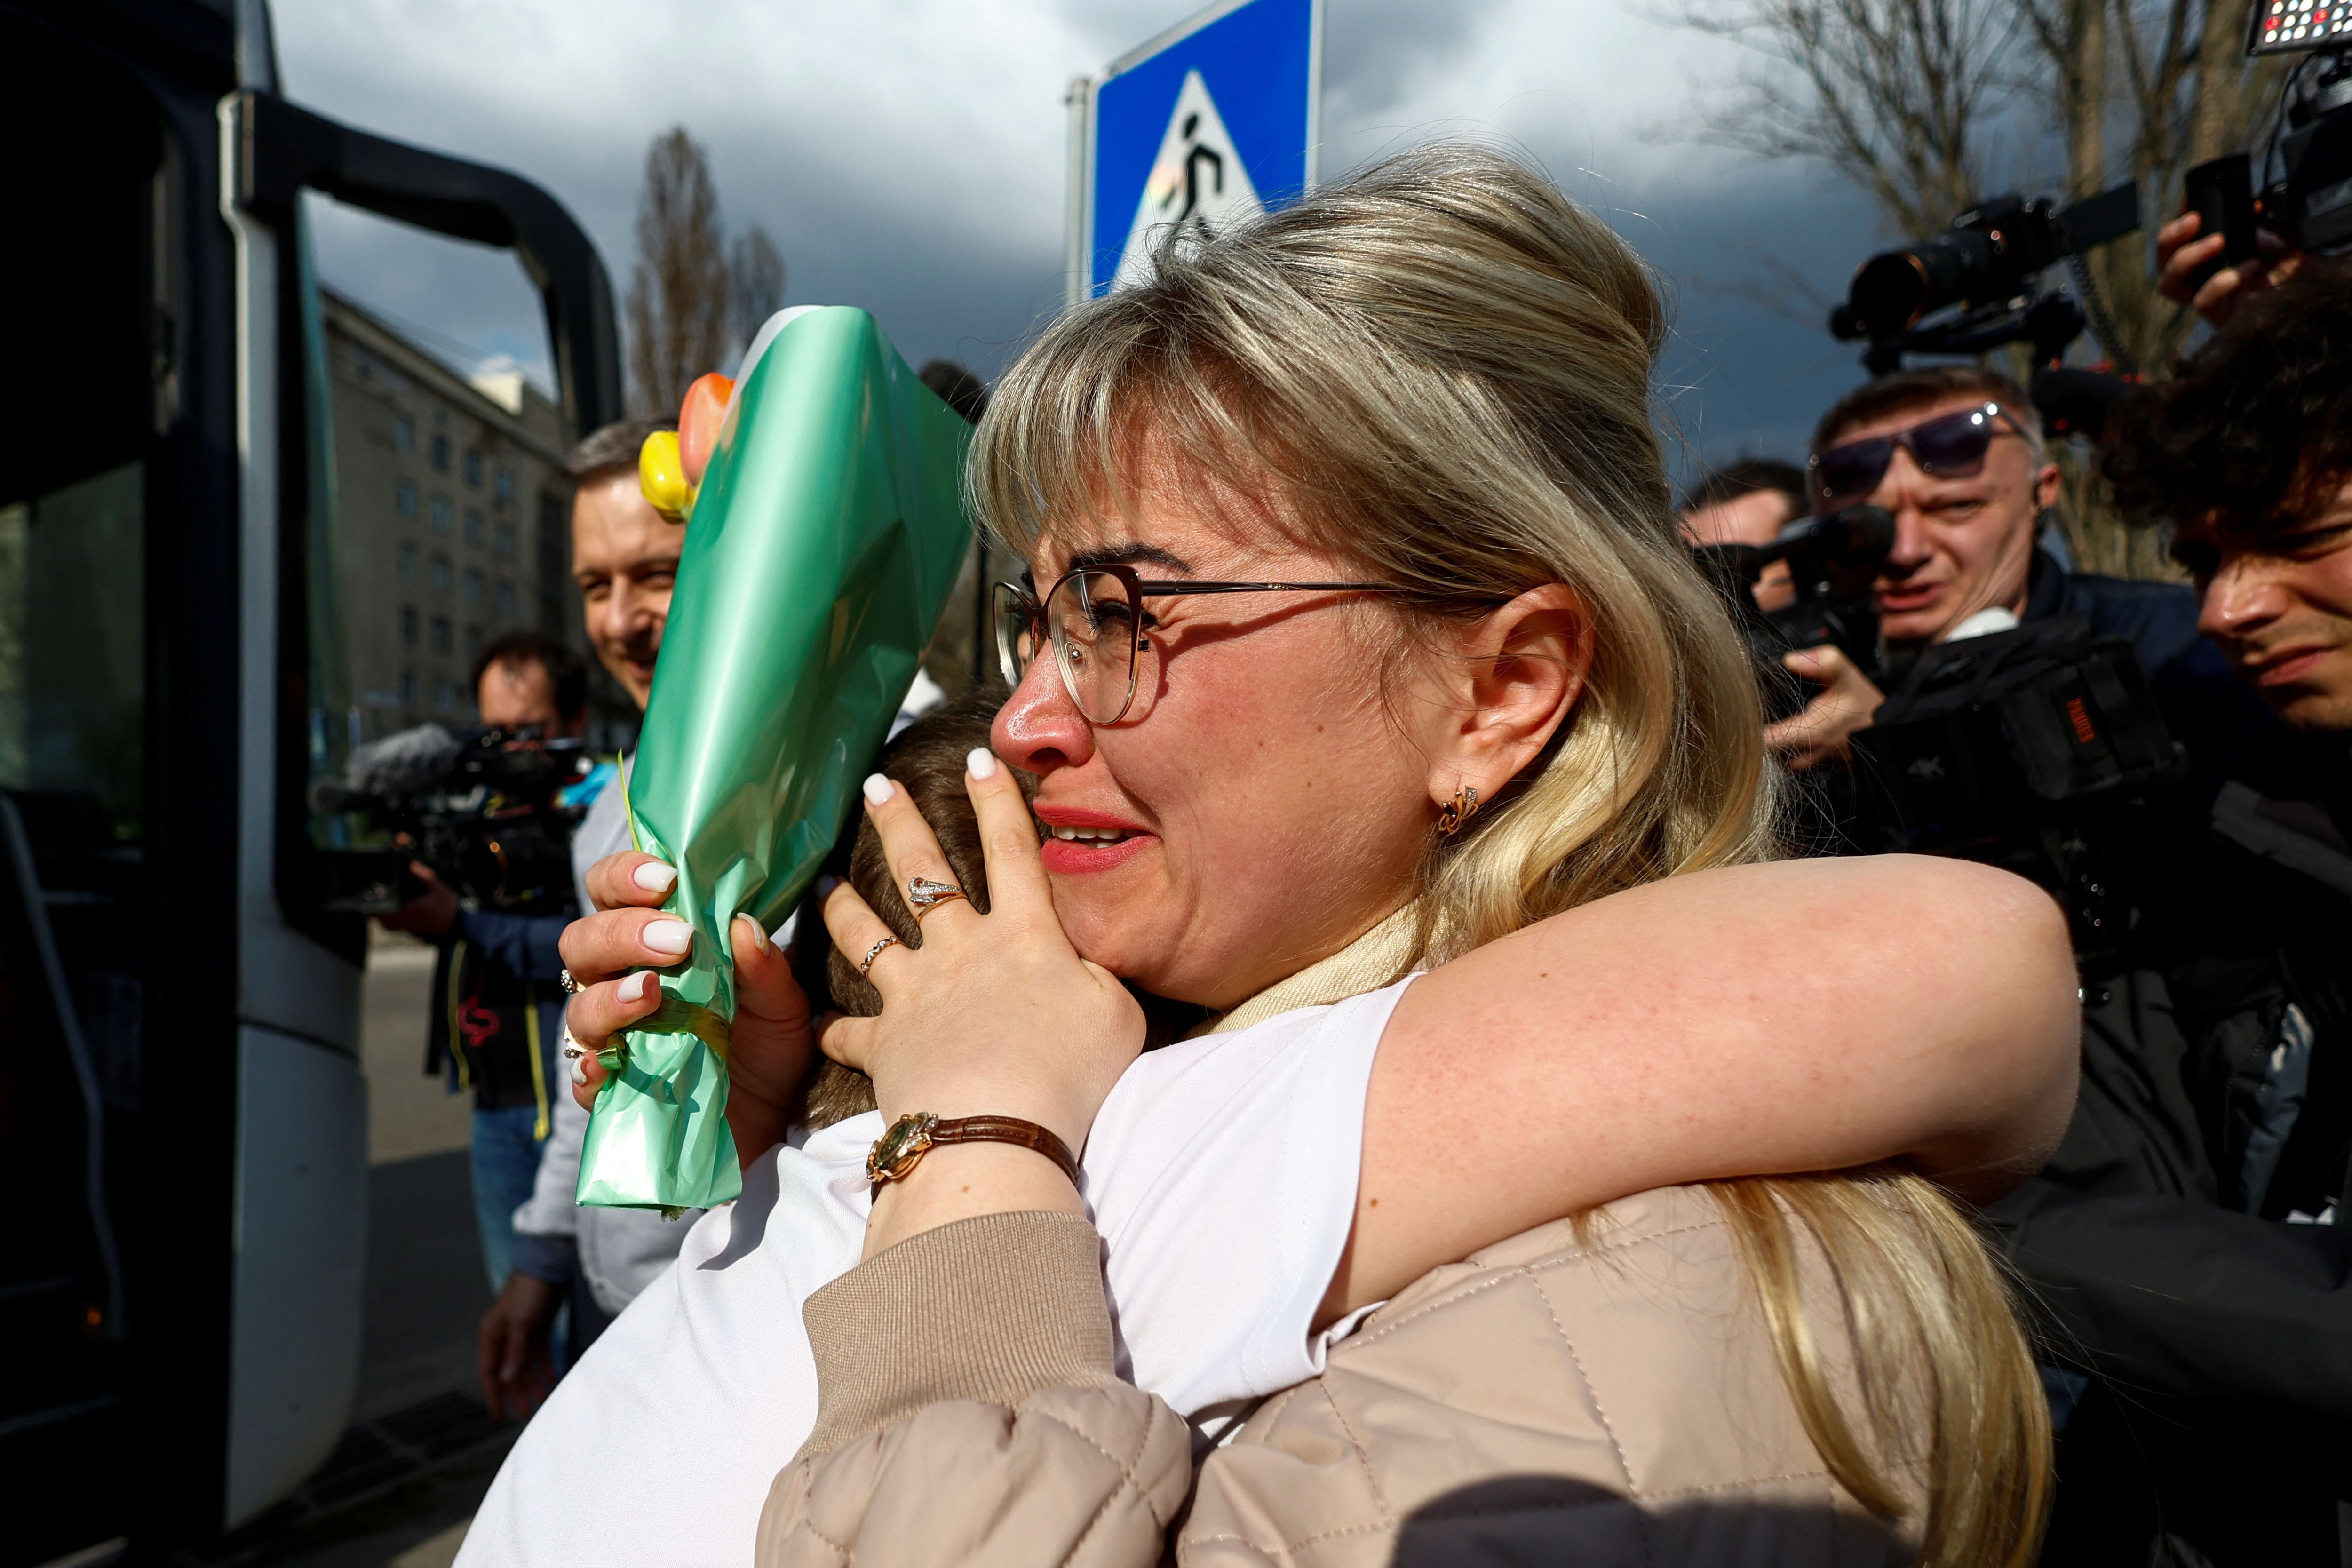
{"points": [[506, 1162]]}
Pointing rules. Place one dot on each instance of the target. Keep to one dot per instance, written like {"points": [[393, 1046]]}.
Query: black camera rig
{"points": [[1978, 286], [2309, 203], [1832, 561], [2035, 750], [485, 809]]}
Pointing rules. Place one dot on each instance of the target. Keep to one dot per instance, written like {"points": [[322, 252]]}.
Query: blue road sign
{"points": [[1211, 121]]}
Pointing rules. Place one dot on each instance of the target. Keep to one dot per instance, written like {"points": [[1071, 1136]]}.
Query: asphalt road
{"points": [[425, 1286]]}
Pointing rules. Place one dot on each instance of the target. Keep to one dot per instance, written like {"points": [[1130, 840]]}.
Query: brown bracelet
{"points": [[902, 1147]]}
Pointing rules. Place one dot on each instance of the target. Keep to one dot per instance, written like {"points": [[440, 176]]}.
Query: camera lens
{"points": [[1891, 292]]}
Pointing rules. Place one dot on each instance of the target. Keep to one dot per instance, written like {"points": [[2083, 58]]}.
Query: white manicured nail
{"points": [[983, 762], [580, 1072], [669, 936], [633, 989], [877, 789], [655, 878], [759, 932]]}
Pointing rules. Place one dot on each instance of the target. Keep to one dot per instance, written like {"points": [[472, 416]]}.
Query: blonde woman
{"points": [[1378, 709]]}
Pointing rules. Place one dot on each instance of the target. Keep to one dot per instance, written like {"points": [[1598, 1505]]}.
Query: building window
{"points": [[407, 627], [403, 500], [506, 599], [441, 629], [440, 454], [554, 564], [445, 695], [441, 574], [403, 434], [408, 689], [474, 468], [440, 514], [502, 485], [473, 526], [408, 563], [473, 641], [473, 585], [502, 540]]}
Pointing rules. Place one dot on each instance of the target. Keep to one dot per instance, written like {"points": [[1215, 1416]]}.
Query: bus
{"points": [[183, 1118]]}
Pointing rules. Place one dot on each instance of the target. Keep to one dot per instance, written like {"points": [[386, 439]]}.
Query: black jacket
{"points": [[2208, 709], [2169, 1245]]}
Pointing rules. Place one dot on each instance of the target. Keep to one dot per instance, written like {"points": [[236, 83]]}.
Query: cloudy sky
{"points": [[909, 157]]}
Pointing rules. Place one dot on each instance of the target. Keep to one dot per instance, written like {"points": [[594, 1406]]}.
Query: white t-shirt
{"points": [[1221, 1173]]}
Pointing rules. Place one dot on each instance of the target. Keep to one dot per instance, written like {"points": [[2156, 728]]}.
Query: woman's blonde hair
{"points": [[1441, 370]]}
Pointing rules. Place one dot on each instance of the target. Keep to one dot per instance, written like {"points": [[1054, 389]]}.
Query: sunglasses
{"points": [[1948, 446], [1093, 620]]}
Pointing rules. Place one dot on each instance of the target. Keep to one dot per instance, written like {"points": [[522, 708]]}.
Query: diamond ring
{"points": [[923, 895]]}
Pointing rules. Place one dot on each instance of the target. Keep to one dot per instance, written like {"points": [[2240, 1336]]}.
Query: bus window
{"points": [[71, 643]]}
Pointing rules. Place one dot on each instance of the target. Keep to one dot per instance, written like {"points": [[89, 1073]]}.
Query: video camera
{"points": [[485, 809], [2033, 750], [1832, 562], [2309, 204], [1986, 274]]}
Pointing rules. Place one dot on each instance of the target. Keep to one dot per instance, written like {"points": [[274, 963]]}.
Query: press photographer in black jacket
{"points": [[496, 1014], [1956, 454], [2185, 1238]]}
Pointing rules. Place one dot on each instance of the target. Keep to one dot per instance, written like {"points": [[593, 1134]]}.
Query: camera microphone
{"points": [[401, 763]]}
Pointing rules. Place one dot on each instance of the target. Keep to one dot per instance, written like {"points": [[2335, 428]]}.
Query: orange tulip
{"points": [[698, 419]]}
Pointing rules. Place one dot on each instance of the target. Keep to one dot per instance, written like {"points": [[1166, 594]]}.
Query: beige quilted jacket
{"points": [[1549, 1400]]}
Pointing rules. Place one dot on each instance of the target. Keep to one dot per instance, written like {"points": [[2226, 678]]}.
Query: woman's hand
{"points": [[995, 1015], [773, 1042]]}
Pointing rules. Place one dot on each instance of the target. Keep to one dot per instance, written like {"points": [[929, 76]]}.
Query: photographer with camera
{"points": [[1956, 454], [1748, 502], [498, 1001]]}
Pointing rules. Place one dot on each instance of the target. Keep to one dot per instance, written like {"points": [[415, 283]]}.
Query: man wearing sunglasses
{"points": [[1954, 453]]}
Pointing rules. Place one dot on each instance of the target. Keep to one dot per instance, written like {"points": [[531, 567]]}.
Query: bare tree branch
{"points": [[755, 275], [678, 306]]}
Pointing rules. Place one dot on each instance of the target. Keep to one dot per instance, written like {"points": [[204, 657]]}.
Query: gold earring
{"points": [[1457, 811]]}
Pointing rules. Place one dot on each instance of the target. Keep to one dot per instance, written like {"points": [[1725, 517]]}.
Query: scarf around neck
{"points": [[1373, 960]]}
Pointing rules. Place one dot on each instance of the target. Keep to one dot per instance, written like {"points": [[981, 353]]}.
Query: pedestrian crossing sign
{"points": [[1211, 123]]}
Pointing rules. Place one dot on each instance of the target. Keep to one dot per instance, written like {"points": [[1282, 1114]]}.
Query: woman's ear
{"points": [[1522, 669]]}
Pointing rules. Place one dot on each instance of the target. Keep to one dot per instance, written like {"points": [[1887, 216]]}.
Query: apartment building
{"points": [[452, 515]]}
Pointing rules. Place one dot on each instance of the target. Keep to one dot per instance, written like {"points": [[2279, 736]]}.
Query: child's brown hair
{"points": [[929, 759]]}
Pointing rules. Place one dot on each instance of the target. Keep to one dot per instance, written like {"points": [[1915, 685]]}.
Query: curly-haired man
{"points": [[2189, 1233], [2248, 455]]}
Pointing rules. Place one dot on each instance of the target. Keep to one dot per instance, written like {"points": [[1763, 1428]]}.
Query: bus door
{"points": [[182, 1129]]}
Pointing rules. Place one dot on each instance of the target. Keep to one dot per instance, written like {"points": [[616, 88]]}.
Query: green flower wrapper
{"points": [[827, 533]]}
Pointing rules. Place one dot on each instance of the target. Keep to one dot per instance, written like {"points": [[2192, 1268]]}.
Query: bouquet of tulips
{"points": [[825, 532]]}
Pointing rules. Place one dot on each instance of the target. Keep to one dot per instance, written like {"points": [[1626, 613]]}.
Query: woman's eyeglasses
{"points": [[1948, 446], [1095, 619]]}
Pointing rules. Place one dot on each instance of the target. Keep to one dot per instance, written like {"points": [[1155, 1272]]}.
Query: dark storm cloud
{"points": [[910, 159]]}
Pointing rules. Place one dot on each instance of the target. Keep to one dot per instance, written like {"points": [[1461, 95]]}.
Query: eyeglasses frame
{"points": [[1140, 589], [1901, 439]]}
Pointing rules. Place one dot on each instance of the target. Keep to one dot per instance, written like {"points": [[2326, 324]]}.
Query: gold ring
{"points": [[874, 953], [923, 895]]}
